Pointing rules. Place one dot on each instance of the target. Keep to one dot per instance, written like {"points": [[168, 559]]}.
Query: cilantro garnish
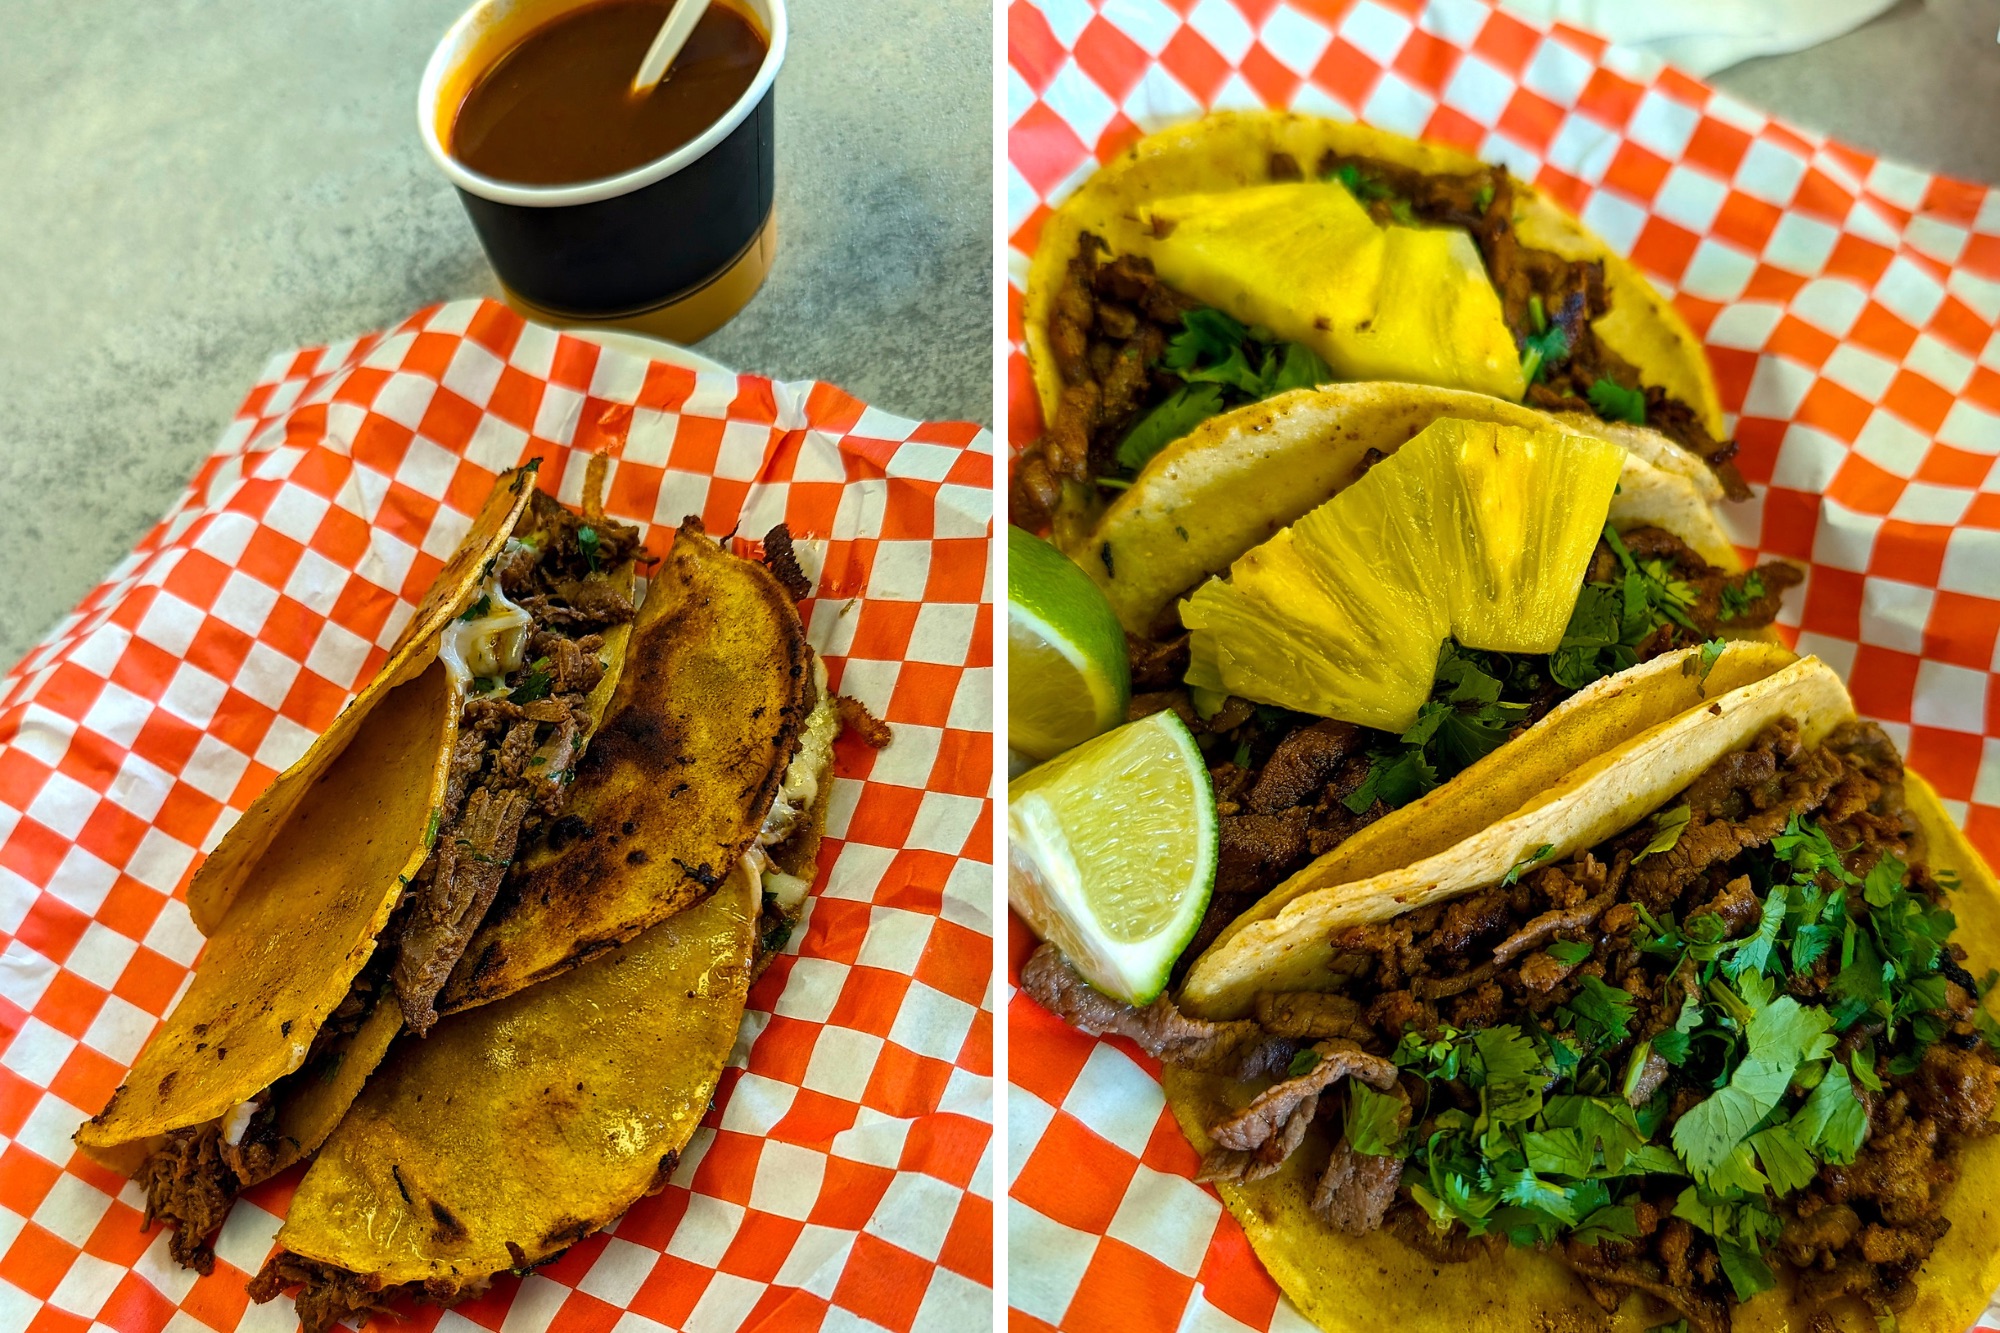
{"points": [[1541, 350], [587, 539], [1223, 363], [1668, 826], [1615, 402], [1568, 952], [1529, 862], [1371, 1121], [479, 608], [535, 685], [1737, 599], [1302, 1063], [1612, 619], [1464, 720], [1603, 1013], [1363, 187]]}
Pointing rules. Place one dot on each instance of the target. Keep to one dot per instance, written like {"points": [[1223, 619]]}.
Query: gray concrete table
{"points": [[189, 186]]}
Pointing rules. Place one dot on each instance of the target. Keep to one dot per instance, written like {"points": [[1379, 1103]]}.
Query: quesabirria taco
{"points": [[1693, 1036], [589, 1021], [1248, 253]]}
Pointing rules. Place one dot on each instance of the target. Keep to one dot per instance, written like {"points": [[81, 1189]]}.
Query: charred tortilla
{"points": [[679, 783], [393, 830], [522, 1126]]}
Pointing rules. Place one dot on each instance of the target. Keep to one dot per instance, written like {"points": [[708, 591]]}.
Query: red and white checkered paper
{"points": [[1849, 307], [843, 1179]]}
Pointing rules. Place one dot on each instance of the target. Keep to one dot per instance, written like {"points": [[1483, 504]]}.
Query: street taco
{"points": [[520, 1127], [1697, 1034], [1245, 254], [395, 829], [1189, 560]]}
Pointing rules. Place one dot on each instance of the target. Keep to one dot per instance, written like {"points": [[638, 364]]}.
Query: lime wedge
{"points": [[1111, 853], [1067, 678]]}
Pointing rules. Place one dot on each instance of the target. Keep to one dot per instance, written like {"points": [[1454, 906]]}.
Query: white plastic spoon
{"points": [[673, 36]]}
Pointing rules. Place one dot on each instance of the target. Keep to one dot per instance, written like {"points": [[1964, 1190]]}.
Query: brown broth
{"points": [[558, 107]]}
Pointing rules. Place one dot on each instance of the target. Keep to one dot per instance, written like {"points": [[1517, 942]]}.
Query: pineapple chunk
{"points": [[1472, 530], [1305, 260]]}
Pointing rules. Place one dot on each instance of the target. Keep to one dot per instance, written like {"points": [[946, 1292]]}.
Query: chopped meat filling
{"points": [[1112, 319], [327, 1296], [518, 743], [1537, 952]]}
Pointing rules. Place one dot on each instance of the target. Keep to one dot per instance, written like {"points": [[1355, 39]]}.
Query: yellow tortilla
{"points": [[222, 876], [1232, 150], [1238, 478], [537, 1120], [676, 784], [1360, 1284], [288, 955], [1284, 943]]}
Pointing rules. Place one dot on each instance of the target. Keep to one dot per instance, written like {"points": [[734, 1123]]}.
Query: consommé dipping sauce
{"points": [[558, 108]]}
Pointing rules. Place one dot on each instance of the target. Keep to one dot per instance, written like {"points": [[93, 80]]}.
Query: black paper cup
{"points": [[674, 248]]}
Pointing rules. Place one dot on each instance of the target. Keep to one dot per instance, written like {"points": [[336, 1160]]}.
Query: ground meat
{"points": [[1109, 326], [1356, 1189], [1958, 1089]]}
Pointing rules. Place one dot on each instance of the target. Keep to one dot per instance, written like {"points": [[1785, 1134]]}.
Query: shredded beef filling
{"points": [[517, 750], [1112, 320], [327, 1295], [1520, 953]]}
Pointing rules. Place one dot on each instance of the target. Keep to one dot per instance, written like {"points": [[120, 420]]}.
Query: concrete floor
{"points": [[189, 186]]}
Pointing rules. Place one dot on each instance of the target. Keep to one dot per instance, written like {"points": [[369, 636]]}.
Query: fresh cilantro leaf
{"points": [[479, 609], [1614, 402], [1603, 1013], [535, 685], [1179, 413], [1781, 1036], [1754, 953], [1529, 862], [1362, 186], [1785, 1161], [587, 539], [1746, 1270], [1862, 1065], [1242, 756], [1613, 1221], [1739, 594], [1557, 1152], [1302, 1063], [1512, 1072], [1567, 952], [1833, 1122], [1541, 350], [1372, 1121], [1484, 199], [1700, 665], [1673, 1043], [1668, 826], [1395, 780], [1296, 367]]}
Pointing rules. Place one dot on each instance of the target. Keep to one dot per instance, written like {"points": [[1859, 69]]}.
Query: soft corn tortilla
{"points": [[288, 954], [1613, 749], [223, 874], [1233, 149], [1239, 477], [1358, 1284], [676, 783], [515, 1130]]}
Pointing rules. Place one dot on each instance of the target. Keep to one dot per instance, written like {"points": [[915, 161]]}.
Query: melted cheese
{"points": [[807, 770], [487, 647], [237, 1121]]}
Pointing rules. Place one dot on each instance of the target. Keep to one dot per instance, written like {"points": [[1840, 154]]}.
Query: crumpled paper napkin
{"points": [[1703, 36]]}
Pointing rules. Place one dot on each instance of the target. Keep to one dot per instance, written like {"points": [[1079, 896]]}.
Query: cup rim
{"points": [[604, 187]]}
